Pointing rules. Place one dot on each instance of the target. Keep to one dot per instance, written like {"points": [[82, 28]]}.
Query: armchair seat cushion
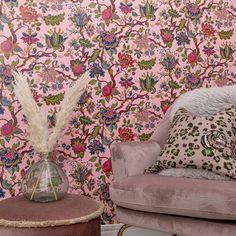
{"points": [[176, 196]]}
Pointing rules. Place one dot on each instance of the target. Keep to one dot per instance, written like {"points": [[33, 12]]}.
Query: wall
{"points": [[140, 54]]}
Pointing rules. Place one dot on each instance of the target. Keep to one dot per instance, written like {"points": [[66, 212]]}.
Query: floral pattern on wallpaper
{"points": [[141, 55]]}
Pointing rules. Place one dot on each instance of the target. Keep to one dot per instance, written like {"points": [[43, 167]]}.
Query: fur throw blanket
{"points": [[205, 101]]}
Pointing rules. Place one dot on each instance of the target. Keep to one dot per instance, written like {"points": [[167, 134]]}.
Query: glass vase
{"points": [[45, 181]]}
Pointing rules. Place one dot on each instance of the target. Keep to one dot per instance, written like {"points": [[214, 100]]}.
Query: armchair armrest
{"points": [[132, 158]]}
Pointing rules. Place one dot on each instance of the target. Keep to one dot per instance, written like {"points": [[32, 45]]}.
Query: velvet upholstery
{"points": [[176, 196], [171, 204], [20, 209], [73, 215], [129, 158], [91, 228], [160, 134], [182, 226]]}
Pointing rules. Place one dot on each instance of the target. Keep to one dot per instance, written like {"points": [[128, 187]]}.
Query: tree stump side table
{"points": [[74, 215]]}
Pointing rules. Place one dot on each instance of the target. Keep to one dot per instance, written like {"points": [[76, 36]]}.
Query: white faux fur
{"points": [[205, 101], [192, 173]]}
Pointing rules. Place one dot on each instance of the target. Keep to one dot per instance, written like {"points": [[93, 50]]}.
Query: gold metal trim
{"points": [[122, 229]]}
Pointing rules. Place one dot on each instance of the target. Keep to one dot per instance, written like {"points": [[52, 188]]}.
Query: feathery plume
{"points": [[37, 121], [69, 102]]}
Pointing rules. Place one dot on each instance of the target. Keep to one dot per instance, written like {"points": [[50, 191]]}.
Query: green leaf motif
{"points": [[2, 142], [173, 13], [37, 67], [2, 59], [8, 138], [93, 82], [114, 105], [145, 137], [92, 5], [40, 45], [15, 145], [15, 63], [85, 43], [18, 131], [95, 55], [103, 178], [179, 49], [93, 159], [226, 34], [145, 65], [173, 85], [5, 184], [54, 20], [54, 99], [181, 25], [47, 62], [134, 14], [95, 132], [85, 120]]}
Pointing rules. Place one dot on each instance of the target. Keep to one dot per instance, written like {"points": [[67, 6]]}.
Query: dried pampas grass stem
{"points": [[69, 102], [37, 120]]}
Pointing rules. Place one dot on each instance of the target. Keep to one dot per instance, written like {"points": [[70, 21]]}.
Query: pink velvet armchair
{"points": [[177, 205]]}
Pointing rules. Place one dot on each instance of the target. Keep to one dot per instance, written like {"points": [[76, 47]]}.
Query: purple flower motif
{"points": [[29, 38], [1, 110], [6, 75], [126, 8], [105, 192], [126, 81], [90, 30], [208, 50], [182, 38], [96, 147], [2, 193], [169, 62], [96, 70], [108, 40], [57, 6], [80, 18], [108, 116], [193, 11], [194, 81], [90, 107], [81, 174], [10, 158]]}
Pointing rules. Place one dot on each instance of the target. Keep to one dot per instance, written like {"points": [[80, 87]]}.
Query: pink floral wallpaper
{"points": [[141, 55]]}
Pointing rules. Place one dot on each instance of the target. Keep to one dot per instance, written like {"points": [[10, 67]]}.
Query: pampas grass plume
{"points": [[69, 102], [37, 120]]}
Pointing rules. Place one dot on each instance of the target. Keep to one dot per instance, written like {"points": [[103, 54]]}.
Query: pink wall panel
{"points": [[140, 56]]}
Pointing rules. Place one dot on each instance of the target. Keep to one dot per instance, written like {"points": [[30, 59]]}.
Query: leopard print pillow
{"points": [[200, 143]]}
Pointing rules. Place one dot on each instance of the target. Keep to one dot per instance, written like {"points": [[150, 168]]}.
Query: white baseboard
{"points": [[112, 230]]}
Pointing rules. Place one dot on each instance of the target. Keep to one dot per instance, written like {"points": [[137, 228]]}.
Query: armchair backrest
{"points": [[199, 102]]}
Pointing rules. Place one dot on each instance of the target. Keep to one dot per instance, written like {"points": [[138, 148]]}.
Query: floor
{"points": [[112, 230]]}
